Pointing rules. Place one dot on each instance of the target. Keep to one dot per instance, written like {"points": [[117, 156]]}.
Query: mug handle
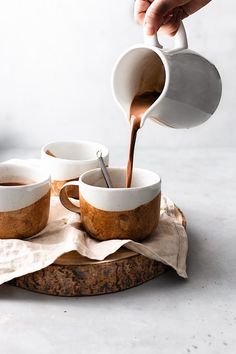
{"points": [[64, 196], [180, 39]]}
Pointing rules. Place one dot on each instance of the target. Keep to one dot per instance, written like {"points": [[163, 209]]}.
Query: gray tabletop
{"points": [[167, 314]]}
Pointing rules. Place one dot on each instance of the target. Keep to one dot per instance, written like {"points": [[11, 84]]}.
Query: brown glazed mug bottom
{"points": [[24, 198], [25, 222], [136, 224]]}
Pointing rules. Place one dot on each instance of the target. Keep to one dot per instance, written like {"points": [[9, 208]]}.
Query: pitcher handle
{"points": [[180, 39]]}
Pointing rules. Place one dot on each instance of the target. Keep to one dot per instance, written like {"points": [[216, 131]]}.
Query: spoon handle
{"points": [[105, 173]]}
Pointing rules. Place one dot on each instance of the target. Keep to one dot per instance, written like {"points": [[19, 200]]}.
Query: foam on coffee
{"points": [[138, 107]]}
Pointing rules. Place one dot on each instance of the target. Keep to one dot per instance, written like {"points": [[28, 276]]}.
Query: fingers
{"points": [[140, 8], [171, 25], [172, 22], [155, 15], [166, 14], [158, 12]]}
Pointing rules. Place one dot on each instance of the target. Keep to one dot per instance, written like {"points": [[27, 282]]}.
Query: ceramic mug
{"points": [[119, 212], [24, 198], [68, 160], [189, 85]]}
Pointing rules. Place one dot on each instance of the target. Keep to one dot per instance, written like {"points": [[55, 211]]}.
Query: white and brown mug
{"points": [[68, 160], [119, 212], [24, 198]]}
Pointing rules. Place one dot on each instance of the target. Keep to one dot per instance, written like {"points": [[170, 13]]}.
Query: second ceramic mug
{"points": [[68, 160], [122, 213]]}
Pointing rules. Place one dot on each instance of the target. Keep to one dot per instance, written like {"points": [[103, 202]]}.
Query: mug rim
{"points": [[23, 163], [74, 161], [131, 189]]}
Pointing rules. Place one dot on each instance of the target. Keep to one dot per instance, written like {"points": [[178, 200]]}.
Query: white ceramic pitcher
{"points": [[190, 85]]}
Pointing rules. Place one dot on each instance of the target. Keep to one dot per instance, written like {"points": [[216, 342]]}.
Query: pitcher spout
{"points": [[137, 71]]}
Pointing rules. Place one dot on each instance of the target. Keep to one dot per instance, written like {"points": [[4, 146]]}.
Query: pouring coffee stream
{"points": [[138, 107]]}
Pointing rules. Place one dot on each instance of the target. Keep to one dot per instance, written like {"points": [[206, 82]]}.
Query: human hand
{"points": [[165, 14]]}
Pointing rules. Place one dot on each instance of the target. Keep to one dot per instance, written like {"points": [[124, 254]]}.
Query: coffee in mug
{"points": [[13, 184], [119, 212]]}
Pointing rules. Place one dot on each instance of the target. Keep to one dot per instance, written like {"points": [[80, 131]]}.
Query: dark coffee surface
{"points": [[138, 107], [13, 184]]}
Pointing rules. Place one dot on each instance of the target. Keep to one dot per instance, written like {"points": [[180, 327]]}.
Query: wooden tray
{"points": [[74, 275]]}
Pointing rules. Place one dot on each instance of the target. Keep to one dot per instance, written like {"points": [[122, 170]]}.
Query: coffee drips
{"points": [[138, 107]]}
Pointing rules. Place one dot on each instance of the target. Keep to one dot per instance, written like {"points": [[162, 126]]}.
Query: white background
{"points": [[56, 59]]}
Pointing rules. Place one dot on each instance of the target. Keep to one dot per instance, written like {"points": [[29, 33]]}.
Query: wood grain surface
{"points": [[136, 224]]}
